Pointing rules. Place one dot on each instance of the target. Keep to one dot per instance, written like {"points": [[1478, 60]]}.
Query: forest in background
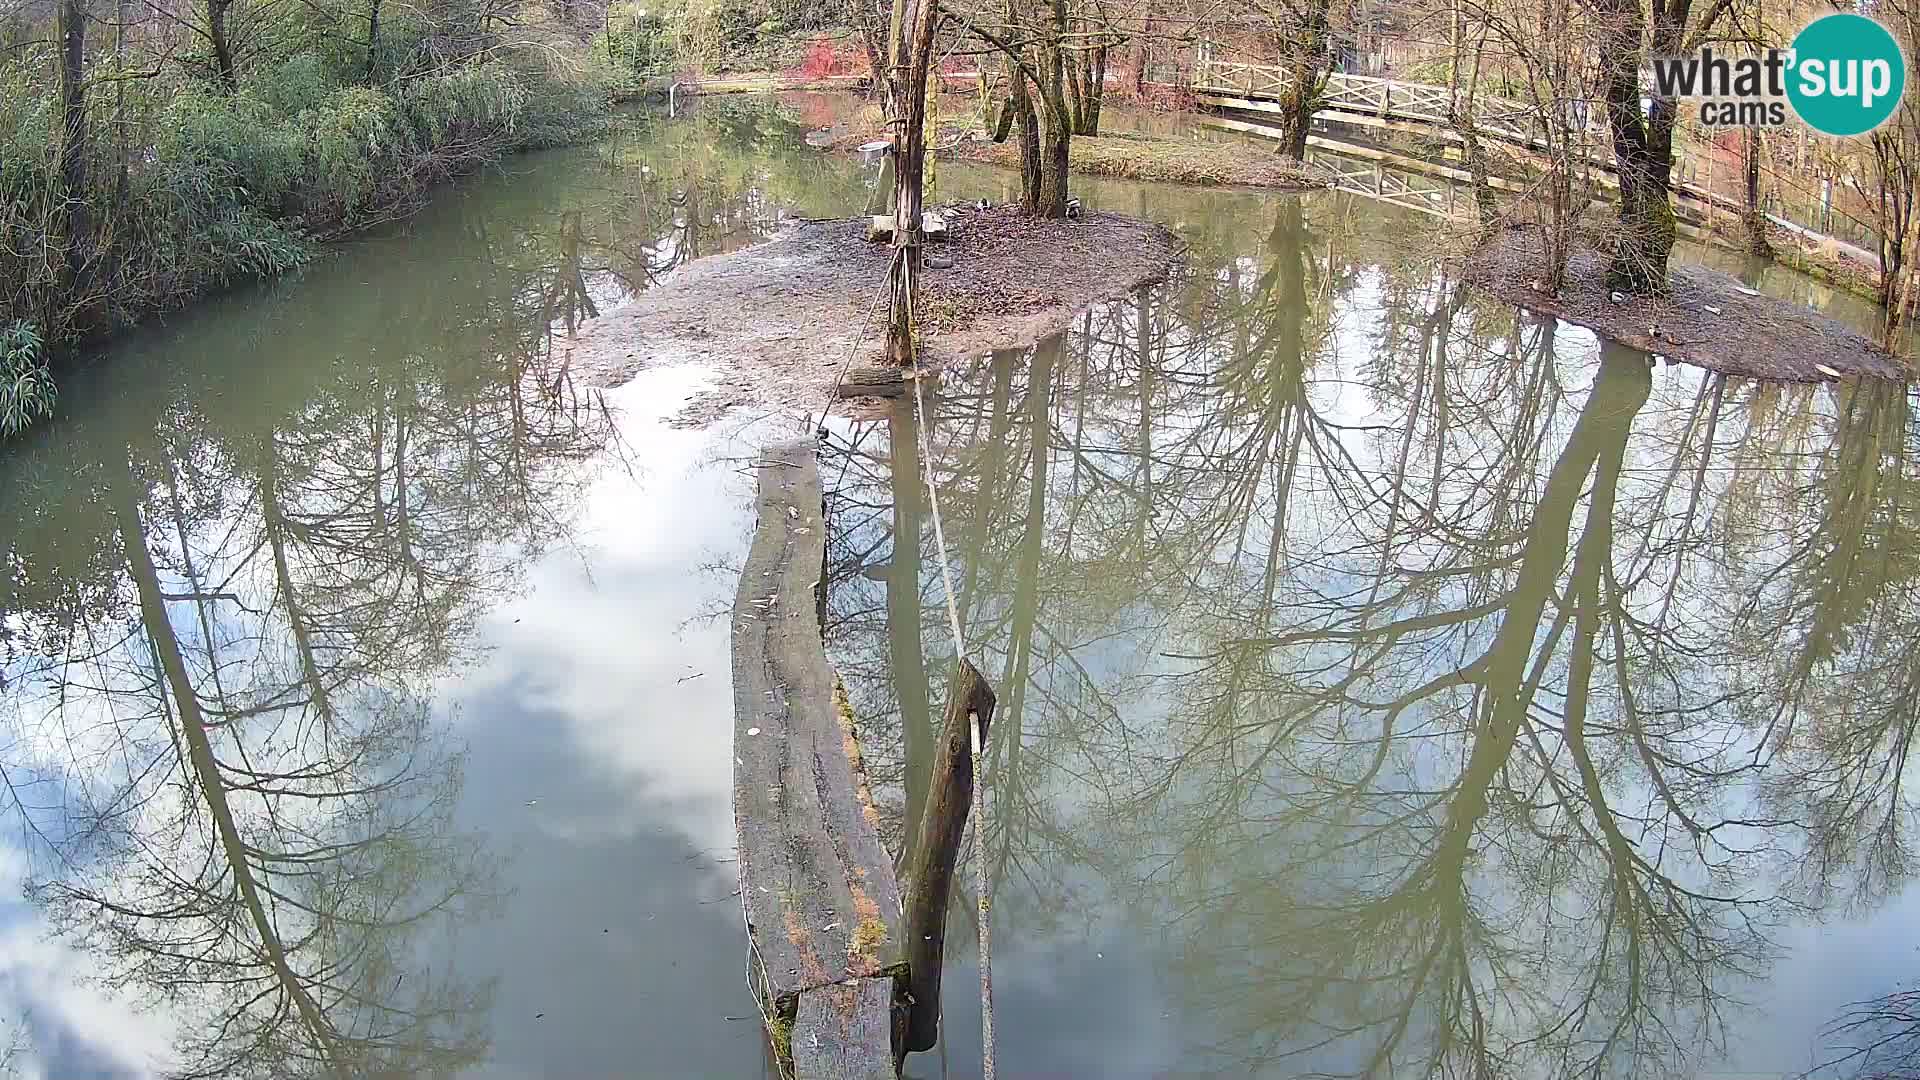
{"points": [[152, 151]]}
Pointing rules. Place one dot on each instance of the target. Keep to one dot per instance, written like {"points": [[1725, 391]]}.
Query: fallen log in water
{"points": [[818, 889], [930, 863]]}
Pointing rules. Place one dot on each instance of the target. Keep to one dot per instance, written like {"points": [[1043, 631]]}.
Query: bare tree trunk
{"points": [[1086, 78], [1096, 92], [1000, 124], [1896, 180], [909, 168], [1752, 146], [1056, 140], [121, 158], [222, 47], [1056, 120], [1071, 65], [1307, 71], [1022, 105], [373, 42], [1460, 108], [1896, 279], [73, 220]]}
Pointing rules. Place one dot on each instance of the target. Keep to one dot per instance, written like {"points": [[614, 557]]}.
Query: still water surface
{"points": [[1391, 683]]}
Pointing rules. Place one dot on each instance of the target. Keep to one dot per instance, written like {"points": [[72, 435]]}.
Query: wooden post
{"points": [[937, 848], [1713, 155], [929, 134]]}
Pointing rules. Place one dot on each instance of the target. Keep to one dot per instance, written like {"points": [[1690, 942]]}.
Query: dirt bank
{"points": [[778, 322], [1124, 155], [744, 82], [1709, 319]]}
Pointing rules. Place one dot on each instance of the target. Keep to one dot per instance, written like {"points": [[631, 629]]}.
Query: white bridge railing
{"points": [[1386, 99]]}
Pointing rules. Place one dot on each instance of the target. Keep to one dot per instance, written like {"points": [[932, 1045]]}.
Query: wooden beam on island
{"points": [[884, 382], [818, 890]]}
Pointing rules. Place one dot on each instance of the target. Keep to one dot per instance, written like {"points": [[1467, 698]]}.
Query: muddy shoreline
{"points": [[1708, 319], [780, 321]]}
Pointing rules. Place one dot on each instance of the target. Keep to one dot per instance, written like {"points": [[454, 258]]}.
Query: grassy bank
{"points": [[185, 180], [1131, 156]]}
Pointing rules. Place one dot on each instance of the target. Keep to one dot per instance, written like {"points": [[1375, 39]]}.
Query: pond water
{"points": [[1390, 683]]}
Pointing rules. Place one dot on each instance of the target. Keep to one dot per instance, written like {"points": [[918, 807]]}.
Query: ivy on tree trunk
{"points": [[1306, 76], [1642, 136]]}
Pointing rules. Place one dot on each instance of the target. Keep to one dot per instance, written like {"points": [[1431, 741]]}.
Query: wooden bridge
{"points": [[1252, 89], [1434, 188], [1377, 102]]}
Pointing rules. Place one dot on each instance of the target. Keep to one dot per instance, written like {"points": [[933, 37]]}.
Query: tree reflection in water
{"points": [[1456, 701], [1439, 696], [244, 570], [235, 703]]}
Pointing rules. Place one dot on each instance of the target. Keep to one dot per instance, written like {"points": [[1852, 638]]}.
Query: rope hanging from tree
{"points": [[977, 818]]}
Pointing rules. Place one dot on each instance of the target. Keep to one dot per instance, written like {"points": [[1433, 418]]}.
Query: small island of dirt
{"points": [[780, 321], [1708, 319]]}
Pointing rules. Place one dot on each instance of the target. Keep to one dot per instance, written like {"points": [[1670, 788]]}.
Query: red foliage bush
{"points": [[821, 59]]}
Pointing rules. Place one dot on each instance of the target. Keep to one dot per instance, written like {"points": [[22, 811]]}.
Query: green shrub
{"points": [[26, 134], [638, 41], [236, 144], [349, 140], [27, 392], [195, 188], [294, 86], [464, 103], [246, 243]]}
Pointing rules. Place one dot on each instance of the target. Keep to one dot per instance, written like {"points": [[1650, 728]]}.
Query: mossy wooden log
{"points": [[821, 901], [873, 382], [936, 849]]}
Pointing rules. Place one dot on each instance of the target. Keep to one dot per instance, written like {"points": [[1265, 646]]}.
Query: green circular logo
{"points": [[1847, 75]]}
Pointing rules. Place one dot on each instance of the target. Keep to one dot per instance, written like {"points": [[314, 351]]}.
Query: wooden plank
{"points": [[821, 901], [845, 1032]]}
